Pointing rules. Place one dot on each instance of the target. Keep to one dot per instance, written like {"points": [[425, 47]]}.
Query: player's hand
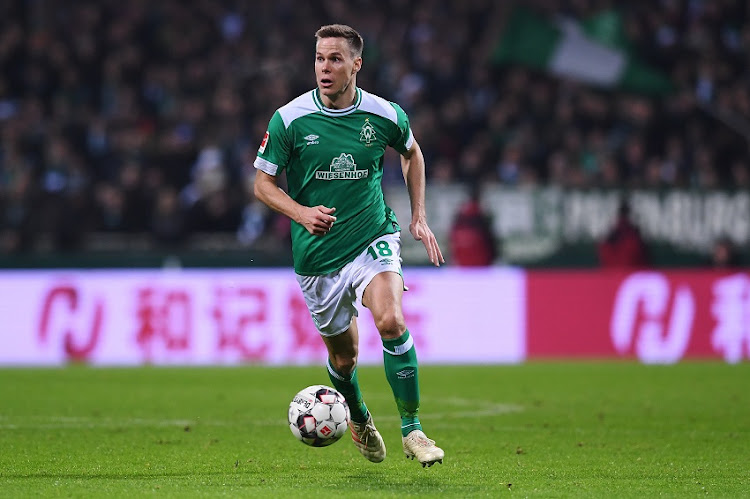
{"points": [[421, 232], [318, 220]]}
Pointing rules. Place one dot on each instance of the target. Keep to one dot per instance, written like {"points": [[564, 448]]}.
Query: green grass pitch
{"points": [[541, 429]]}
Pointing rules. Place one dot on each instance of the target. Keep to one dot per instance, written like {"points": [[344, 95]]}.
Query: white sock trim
{"points": [[401, 349], [336, 375]]}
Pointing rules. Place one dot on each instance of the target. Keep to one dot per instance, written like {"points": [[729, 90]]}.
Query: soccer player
{"points": [[345, 240]]}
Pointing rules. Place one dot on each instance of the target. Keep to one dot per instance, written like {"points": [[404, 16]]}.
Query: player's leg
{"points": [[342, 370], [383, 297], [330, 300]]}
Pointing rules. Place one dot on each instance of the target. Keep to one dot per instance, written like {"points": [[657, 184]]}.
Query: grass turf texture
{"points": [[536, 430]]}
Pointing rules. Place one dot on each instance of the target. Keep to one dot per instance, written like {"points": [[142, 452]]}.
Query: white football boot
{"points": [[368, 440], [416, 444]]}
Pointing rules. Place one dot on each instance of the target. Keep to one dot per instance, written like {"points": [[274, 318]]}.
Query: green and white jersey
{"points": [[334, 157]]}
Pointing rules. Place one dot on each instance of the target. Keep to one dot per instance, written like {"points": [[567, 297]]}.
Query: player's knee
{"points": [[391, 325]]}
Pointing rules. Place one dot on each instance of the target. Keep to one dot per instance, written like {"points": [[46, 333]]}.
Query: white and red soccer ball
{"points": [[318, 415]]}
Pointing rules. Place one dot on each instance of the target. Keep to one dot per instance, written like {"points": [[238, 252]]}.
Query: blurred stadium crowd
{"points": [[144, 117]]}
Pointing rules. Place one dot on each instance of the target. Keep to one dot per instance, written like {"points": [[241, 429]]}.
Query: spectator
{"points": [[623, 247], [110, 213], [724, 255], [168, 226], [217, 211], [472, 240]]}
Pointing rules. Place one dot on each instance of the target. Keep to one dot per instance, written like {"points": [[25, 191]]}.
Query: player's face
{"points": [[335, 71]]}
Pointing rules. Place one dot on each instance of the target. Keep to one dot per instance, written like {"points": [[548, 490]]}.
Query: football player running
{"points": [[346, 241]]}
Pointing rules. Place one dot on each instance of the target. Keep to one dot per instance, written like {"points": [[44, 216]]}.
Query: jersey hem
{"points": [[389, 228]]}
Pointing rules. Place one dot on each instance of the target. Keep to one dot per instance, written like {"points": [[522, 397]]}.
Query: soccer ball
{"points": [[318, 415]]}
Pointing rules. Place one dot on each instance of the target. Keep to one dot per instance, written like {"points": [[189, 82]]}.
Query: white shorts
{"points": [[332, 298]]}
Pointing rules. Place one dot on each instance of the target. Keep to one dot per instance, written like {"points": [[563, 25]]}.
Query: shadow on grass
{"points": [[420, 481]]}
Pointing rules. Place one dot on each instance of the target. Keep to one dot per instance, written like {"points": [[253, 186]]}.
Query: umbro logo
{"points": [[386, 261], [312, 139], [405, 373]]}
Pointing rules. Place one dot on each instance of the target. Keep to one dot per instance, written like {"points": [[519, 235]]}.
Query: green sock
{"points": [[349, 388], [400, 361]]}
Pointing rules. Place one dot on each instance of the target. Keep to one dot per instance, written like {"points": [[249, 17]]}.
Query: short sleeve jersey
{"points": [[334, 157]]}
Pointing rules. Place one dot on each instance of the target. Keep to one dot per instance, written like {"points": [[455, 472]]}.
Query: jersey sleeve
{"points": [[403, 139], [274, 150]]}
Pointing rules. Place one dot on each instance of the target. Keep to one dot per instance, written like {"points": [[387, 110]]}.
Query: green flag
{"points": [[593, 53]]}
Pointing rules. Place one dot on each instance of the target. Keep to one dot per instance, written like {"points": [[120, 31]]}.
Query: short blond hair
{"points": [[354, 39]]}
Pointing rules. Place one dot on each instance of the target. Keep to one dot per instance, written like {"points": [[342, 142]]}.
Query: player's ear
{"points": [[357, 65]]}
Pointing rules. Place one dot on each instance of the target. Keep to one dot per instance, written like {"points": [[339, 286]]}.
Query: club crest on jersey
{"points": [[342, 167], [367, 134]]}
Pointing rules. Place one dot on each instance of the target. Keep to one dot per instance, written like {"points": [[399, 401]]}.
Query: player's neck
{"points": [[343, 100]]}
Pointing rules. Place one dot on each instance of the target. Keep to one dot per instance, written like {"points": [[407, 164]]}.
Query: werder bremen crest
{"points": [[342, 167], [367, 134]]}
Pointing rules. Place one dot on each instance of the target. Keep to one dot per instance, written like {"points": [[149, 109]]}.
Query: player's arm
{"points": [[318, 220], [413, 167]]}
